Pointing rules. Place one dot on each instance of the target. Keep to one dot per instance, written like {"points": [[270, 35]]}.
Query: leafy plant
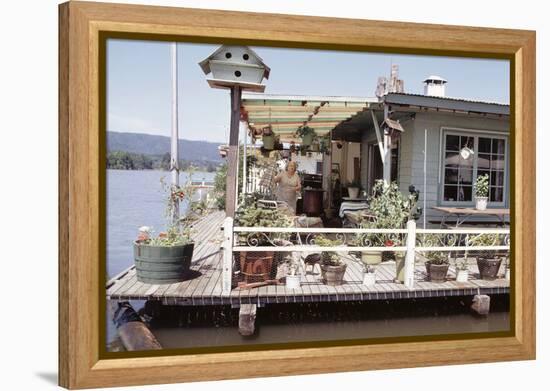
{"points": [[253, 216], [303, 131], [178, 231], [324, 144], [486, 240], [329, 258], [481, 186], [437, 257], [461, 263]]}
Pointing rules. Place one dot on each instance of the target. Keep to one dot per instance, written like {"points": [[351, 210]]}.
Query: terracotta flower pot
{"points": [[333, 275]]}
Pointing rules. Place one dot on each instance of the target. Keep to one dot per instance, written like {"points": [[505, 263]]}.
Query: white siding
{"points": [[412, 158]]}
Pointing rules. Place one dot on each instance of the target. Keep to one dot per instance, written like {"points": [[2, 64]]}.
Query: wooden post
{"points": [[247, 318], [387, 151], [227, 267], [174, 158], [409, 257], [245, 152], [232, 154]]}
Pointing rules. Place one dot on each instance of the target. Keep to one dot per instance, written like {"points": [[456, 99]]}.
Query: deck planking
{"points": [[205, 288]]}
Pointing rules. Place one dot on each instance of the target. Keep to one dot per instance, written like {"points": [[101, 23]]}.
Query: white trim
{"points": [[443, 131]]}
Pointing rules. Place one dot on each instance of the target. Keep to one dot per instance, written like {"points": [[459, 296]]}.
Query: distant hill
{"points": [[189, 150]]}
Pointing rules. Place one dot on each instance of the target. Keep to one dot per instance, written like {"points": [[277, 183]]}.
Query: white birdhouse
{"points": [[235, 66]]}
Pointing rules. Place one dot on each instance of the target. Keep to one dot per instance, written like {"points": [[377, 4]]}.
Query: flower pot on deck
{"points": [[488, 267], [162, 264], [436, 272], [292, 282], [462, 276], [333, 275], [369, 279], [256, 266]]}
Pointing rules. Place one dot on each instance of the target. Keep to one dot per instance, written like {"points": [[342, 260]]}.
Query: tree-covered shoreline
{"points": [[122, 160]]}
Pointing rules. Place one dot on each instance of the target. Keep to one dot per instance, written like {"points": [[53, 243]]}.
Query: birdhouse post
{"points": [[236, 68]]}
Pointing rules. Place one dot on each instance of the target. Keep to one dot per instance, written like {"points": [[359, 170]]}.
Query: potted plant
{"points": [[268, 138], [389, 208], [166, 258], [292, 279], [256, 266], [332, 266], [353, 188], [437, 265], [481, 189], [369, 276], [307, 135], [461, 266], [370, 257], [488, 261]]}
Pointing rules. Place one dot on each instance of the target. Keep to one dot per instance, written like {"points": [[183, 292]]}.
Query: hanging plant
{"points": [[306, 133]]}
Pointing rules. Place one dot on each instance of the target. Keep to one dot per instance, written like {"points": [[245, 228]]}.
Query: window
{"points": [[467, 156]]}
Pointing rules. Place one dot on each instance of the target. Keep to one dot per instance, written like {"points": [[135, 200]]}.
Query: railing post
{"points": [[227, 265], [409, 257]]}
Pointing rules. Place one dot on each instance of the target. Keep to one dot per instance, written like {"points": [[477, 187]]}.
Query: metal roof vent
{"points": [[434, 86]]}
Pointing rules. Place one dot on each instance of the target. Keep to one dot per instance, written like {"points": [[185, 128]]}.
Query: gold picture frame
{"points": [[82, 28]]}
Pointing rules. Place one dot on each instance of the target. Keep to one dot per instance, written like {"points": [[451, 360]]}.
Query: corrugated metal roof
{"points": [[448, 103], [451, 98]]}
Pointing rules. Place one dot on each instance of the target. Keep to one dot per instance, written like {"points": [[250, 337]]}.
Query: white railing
{"points": [[412, 240]]}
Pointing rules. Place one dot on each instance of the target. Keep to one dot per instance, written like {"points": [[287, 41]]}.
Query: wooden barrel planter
{"points": [[256, 266], [488, 268], [162, 264], [436, 272]]}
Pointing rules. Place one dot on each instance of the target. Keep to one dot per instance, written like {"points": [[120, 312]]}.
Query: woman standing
{"points": [[288, 185]]}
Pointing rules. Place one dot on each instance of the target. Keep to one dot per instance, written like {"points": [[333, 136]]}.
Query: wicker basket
{"points": [[256, 266]]}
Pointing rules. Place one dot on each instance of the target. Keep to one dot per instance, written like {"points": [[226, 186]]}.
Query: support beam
{"points": [[378, 137], [387, 150], [174, 155], [410, 255], [247, 319], [232, 154], [227, 268]]}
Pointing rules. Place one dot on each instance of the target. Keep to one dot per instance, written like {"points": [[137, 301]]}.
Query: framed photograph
{"points": [[330, 194]]}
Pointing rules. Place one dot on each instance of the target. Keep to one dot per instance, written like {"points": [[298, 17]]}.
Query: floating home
{"points": [[436, 144]]}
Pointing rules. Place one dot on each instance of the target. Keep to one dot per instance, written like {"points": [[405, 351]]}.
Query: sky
{"points": [[139, 82]]}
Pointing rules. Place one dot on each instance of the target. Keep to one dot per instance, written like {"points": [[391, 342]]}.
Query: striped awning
{"points": [[285, 114]]}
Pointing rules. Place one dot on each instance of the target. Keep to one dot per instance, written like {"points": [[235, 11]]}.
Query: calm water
{"points": [[135, 198]]}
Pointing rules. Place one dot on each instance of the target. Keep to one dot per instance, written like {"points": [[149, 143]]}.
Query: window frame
{"points": [[476, 134]]}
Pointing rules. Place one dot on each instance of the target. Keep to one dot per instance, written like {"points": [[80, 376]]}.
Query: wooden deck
{"points": [[204, 286]]}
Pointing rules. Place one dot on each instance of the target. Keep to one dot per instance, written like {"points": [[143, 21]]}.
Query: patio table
{"points": [[463, 214]]}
